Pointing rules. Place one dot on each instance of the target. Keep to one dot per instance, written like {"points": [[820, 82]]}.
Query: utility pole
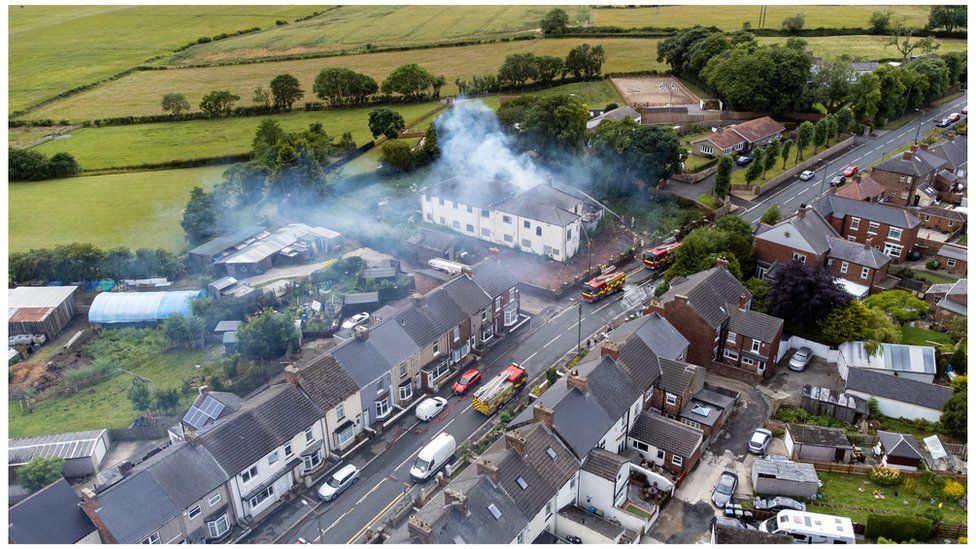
{"points": [[822, 181], [579, 307], [921, 119]]}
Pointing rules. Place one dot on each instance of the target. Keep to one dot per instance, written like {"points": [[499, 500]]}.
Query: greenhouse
{"points": [[139, 308]]}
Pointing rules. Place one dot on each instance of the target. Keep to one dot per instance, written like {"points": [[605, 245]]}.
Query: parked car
{"points": [[743, 159], [965, 110], [468, 380], [779, 503], [943, 123], [432, 457], [801, 358], [849, 171], [954, 117], [760, 440], [914, 255], [430, 408], [837, 180], [338, 482], [807, 175], [355, 320], [732, 522], [722, 494]]}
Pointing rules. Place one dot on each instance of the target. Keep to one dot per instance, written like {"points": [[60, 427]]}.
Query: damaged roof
{"points": [[543, 203]]}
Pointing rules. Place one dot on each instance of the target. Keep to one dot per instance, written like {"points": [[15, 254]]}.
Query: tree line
{"points": [[82, 261], [28, 165], [519, 69]]}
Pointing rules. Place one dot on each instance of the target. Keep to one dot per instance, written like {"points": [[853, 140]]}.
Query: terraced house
{"points": [[890, 229], [909, 179]]}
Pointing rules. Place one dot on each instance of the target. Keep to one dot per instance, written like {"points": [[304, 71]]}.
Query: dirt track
{"points": [[653, 91]]}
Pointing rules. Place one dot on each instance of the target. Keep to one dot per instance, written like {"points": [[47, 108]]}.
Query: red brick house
{"points": [[752, 340], [859, 264], [953, 259], [677, 385], [905, 175], [739, 137], [862, 187], [951, 178], [891, 230], [941, 219]]}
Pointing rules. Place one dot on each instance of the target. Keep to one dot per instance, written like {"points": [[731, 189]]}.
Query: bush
{"points": [[885, 476], [39, 472], [932, 265], [898, 527], [954, 491], [932, 513]]}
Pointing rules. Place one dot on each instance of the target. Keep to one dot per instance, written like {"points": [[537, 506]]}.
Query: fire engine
{"points": [[661, 256], [601, 286], [494, 394]]}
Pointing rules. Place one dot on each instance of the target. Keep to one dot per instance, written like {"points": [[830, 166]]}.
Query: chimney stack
{"points": [[416, 298], [291, 374], [923, 146], [494, 253], [681, 299], [907, 155], [452, 497], [487, 468], [609, 348], [420, 529], [515, 441], [578, 382], [542, 415], [362, 333], [722, 262], [442, 480], [742, 302], [801, 212], [90, 505]]}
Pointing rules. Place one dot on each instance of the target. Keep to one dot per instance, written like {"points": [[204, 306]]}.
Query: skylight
{"points": [[551, 452], [494, 511], [521, 482], [701, 410]]}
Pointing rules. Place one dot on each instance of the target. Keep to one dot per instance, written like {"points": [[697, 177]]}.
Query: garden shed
{"points": [[785, 478], [40, 309], [814, 443], [140, 308], [82, 452]]}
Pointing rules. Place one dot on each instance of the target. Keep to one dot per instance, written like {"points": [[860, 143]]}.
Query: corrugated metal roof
{"points": [[62, 445], [38, 296], [893, 357]]}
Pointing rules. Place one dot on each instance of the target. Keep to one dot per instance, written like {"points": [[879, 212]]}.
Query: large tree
{"points": [[676, 49], [585, 61], [386, 122], [39, 472], [200, 217], [555, 22], [785, 149], [409, 80], [550, 123], [175, 103], [804, 295], [880, 22], [902, 39], [755, 169], [648, 153], [830, 85], [793, 24], [947, 17], [339, 85], [399, 155], [902, 306], [731, 238], [866, 98], [218, 103], [765, 78], [955, 411], [804, 136], [286, 89], [723, 177], [936, 74], [518, 68], [267, 335]]}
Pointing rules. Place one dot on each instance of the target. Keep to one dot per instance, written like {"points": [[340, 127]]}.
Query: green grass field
{"points": [[922, 336], [739, 176], [140, 93], [55, 48], [842, 489], [135, 209], [732, 17], [119, 146], [345, 28]]}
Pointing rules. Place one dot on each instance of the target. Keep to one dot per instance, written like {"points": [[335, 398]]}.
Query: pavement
{"points": [[384, 460], [868, 150]]}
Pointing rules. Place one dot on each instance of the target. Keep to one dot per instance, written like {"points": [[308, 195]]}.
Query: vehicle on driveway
{"points": [[468, 380], [430, 408], [837, 180], [743, 160], [760, 440], [778, 503], [355, 320], [338, 482], [800, 359], [811, 527], [807, 175], [943, 123], [732, 522], [722, 494], [954, 117], [849, 171]]}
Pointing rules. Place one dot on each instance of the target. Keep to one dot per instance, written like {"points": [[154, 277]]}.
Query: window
{"points": [[892, 250], [311, 461], [855, 223], [484, 315], [799, 257], [440, 370], [927, 217], [403, 370], [748, 361], [730, 354], [521, 537], [426, 198], [382, 408], [738, 146], [406, 391], [470, 228], [308, 435], [344, 435], [538, 231], [443, 221], [214, 499], [526, 243], [526, 224], [509, 238], [340, 412], [660, 454], [457, 333], [259, 498], [430, 218], [677, 460], [437, 348], [706, 149], [153, 539], [670, 399], [273, 458], [218, 527], [843, 267], [642, 446], [873, 227], [950, 262], [951, 222], [246, 476], [456, 224], [549, 509], [485, 213], [894, 233], [486, 232], [755, 345], [455, 205], [865, 272], [730, 337], [511, 293], [507, 219], [440, 201], [572, 483], [469, 209], [194, 512], [521, 483], [852, 239], [511, 313], [288, 450]]}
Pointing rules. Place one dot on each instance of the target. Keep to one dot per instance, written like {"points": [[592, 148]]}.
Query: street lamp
{"points": [[579, 306], [921, 119], [824, 179]]}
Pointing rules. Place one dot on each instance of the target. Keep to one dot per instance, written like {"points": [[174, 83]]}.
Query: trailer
{"points": [[661, 256], [603, 285], [493, 395]]}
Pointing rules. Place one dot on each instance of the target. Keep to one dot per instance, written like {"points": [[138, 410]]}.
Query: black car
{"points": [[837, 180], [743, 160]]}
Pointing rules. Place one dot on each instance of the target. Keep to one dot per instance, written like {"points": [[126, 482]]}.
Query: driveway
{"points": [[787, 386]]}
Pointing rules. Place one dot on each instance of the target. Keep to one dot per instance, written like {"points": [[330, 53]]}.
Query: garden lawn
{"points": [[841, 489], [56, 48], [693, 162], [106, 404], [139, 144], [739, 176], [596, 94], [731, 17], [923, 336], [934, 277], [134, 209], [709, 201]]}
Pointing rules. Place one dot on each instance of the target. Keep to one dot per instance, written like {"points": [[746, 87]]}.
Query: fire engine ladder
{"points": [[492, 389]]}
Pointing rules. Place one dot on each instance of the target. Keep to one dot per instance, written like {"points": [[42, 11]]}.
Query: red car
{"points": [[954, 117], [849, 171], [467, 380], [965, 110]]}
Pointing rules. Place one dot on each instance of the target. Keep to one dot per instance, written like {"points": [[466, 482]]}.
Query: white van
{"points": [[810, 527], [432, 457]]}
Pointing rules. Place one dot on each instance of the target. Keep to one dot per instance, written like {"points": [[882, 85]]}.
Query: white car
{"points": [[807, 175], [760, 441], [800, 359], [430, 408], [338, 482], [355, 320]]}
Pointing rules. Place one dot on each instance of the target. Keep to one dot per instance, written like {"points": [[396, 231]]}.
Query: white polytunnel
{"points": [[140, 307]]}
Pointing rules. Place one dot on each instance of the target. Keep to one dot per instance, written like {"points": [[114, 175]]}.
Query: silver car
{"points": [[800, 359], [779, 503], [722, 494], [338, 482], [760, 441], [807, 175]]}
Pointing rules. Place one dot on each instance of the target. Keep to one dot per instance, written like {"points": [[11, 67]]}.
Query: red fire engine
{"points": [[601, 286], [660, 256]]}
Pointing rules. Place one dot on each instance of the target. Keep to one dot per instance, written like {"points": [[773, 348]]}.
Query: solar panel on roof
{"points": [[212, 407], [195, 417]]}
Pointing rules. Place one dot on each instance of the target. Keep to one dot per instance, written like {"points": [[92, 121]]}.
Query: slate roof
{"points": [[942, 212], [758, 128], [920, 164], [952, 151], [836, 206], [51, 515], [865, 189], [708, 293], [615, 114], [325, 381], [954, 252], [667, 434], [227, 326], [263, 423], [927, 395], [863, 66], [676, 376], [857, 253], [388, 345], [724, 139], [543, 203], [604, 464], [472, 192], [596, 523], [900, 445], [642, 342], [754, 324], [493, 277], [158, 490], [809, 233], [818, 436]]}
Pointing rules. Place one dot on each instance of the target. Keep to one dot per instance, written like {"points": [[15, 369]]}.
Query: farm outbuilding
{"points": [[40, 310], [82, 451], [785, 478], [140, 308], [814, 443]]}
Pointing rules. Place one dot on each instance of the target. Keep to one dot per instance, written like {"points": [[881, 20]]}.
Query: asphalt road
{"points": [[789, 196], [385, 476]]}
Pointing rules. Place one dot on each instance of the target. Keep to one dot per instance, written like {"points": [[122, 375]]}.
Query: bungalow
{"points": [[619, 113], [817, 444], [738, 138], [898, 450], [908, 361], [953, 259], [899, 397], [666, 443]]}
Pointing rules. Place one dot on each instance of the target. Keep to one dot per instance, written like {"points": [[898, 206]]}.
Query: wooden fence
{"points": [[950, 531], [959, 450]]}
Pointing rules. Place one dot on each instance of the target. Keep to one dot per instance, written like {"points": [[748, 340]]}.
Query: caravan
{"points": [[810, 527]]}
